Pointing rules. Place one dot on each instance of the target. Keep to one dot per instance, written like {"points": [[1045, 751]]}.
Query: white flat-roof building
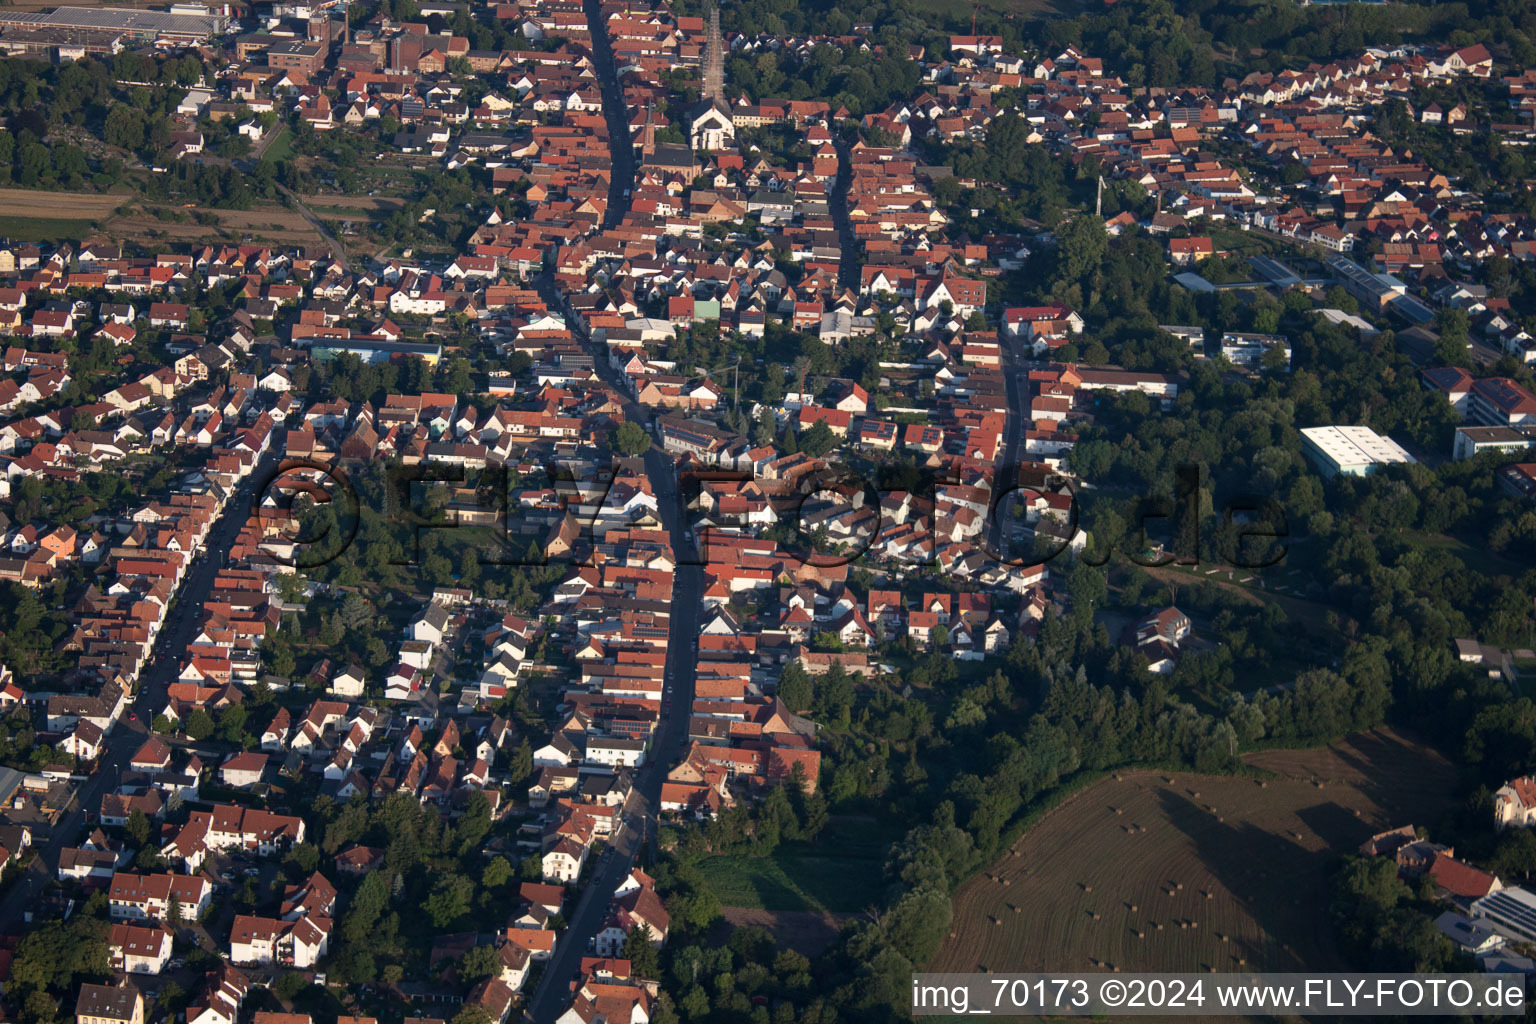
{"points": [[1351, 450]]}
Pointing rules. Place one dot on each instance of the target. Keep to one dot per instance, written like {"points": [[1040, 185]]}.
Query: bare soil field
{"points": [[384, 203], [274, 224], [45, 205], [1147, 871]]}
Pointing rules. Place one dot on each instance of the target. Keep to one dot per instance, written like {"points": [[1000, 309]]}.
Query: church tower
{"points": [[647, 138], [714, 59], [709, 122]]}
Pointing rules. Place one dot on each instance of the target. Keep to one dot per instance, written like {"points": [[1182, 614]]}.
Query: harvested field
{"points": [[319, 203], [1183, 872], [269, 224], [40, 204], [805, 931]]}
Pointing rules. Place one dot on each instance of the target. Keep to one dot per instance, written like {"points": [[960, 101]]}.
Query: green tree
{"points": [[644, 958], [918, 923], [232, 723], [1452, 325], [288, 985], [497, 873], [449, 900], [630, 439], [795, 687], [480, 962], [198, 725], [124, 127], [521, 768], [138, 827], [818, 440]]}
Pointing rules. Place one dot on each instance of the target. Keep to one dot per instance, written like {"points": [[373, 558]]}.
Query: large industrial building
{"points": [[1351, 450], [183, 24]]}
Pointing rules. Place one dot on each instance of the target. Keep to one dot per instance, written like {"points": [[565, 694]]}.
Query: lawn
{"points": [[43, 229], [841, 874], [795, 877], [1476, 559], [281, 147]]}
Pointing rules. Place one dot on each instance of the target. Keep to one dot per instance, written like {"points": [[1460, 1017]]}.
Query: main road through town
{"points": [[637, 824]]}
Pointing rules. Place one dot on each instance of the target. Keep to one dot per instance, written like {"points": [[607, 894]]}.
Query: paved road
{"points": [[638, 821], [159, 672], [1005, 472], [338, 251], [852, 253], [622, 175]]}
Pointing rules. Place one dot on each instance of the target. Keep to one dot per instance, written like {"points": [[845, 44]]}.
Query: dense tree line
{"points": [[127, 102]]}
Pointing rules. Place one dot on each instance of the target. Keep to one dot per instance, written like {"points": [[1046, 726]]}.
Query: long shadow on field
{"points": [[1280, 883], [1397, 777]]}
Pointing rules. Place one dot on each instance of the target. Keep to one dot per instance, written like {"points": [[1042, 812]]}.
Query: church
{"points": [[709, 122]]}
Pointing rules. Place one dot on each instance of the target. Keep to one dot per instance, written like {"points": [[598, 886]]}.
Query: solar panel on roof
{"points": [[1516, 911]]}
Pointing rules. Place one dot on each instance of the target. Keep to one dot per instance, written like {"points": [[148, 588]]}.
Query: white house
{"points": [[1515, 803], [431, 626], [615, 752], [348, 682], [138, 949]]}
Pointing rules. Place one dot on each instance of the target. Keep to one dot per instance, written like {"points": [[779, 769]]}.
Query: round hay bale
{"points": [[1095, 916], [1133, 908], [1224, 940], [1195, 925], [1263, 784], [1159, 927], [1119, 810], [1087, 888], [1219, 818], [1007, 881]]}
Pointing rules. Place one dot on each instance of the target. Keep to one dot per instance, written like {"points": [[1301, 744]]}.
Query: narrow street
{"points": [[621, 181], [158, 673], [852, 253], [1005, 468]]}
